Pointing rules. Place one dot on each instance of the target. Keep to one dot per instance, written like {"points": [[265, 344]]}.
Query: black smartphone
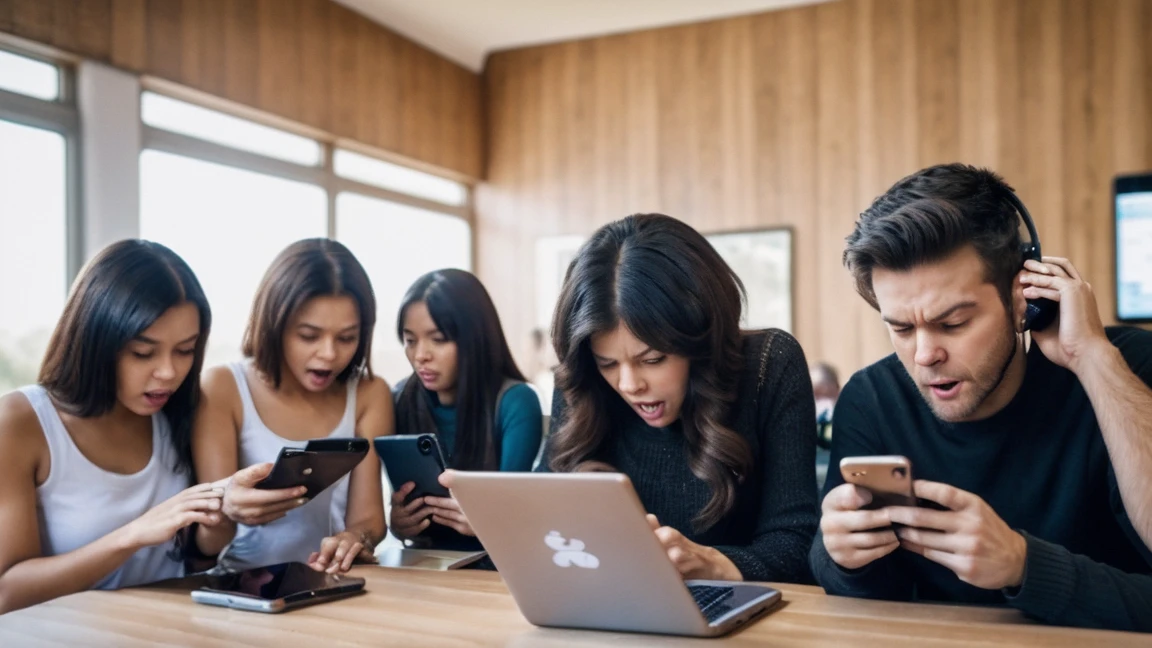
{"points": [[276, 588], [354, 444], [315, 469], [413, 458]]}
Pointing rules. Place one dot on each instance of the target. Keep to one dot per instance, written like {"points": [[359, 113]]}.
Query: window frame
{"points": [[323, 175], [60, 116]]}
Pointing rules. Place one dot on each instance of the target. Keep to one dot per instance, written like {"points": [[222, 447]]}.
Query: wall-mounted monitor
{"points": [[1133, 205]]}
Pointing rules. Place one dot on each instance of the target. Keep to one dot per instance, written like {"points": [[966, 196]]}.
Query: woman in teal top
{"points": [[465, 388]]}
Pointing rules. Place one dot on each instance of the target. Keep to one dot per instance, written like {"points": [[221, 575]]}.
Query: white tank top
{"points": [[81, 502], [295, 536]]}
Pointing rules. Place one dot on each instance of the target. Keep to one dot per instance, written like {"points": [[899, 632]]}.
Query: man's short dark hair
{"points": [[929, 215]]}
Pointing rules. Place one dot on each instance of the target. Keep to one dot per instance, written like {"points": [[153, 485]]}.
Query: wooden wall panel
{"points": [[800, 118], [311, 61]]}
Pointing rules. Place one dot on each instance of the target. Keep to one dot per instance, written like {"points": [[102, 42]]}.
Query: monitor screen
{"points": [[1134, 248]]}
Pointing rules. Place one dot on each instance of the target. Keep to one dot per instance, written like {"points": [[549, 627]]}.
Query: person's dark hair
{"points": [[668, 285], [929, 215], [463, 311], [309, 268], [122, 291]]}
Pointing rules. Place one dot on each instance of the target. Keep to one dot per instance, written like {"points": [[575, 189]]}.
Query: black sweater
{"points": [[1040, 463], [768, 532]]}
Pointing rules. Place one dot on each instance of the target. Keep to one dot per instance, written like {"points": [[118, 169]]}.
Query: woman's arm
{"points": [[522, 425], [364, 517], [785, 425], [26, 576], [215, 447]]}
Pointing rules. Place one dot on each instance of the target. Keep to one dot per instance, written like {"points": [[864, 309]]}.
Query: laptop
{"points": [[437, 559], [576, 551]]}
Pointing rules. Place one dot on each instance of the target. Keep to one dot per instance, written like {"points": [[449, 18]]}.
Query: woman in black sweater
{"points": [[712, 425]]}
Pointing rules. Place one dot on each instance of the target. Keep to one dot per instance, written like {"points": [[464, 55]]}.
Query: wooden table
{"points": [[473, 608]]}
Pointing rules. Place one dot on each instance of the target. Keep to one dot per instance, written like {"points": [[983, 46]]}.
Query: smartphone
{"points": [[276, 588], [413, 458], [888, 478], [316, 466]]}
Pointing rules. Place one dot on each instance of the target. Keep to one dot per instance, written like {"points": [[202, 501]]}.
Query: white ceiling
{"points": [[466, 31]]}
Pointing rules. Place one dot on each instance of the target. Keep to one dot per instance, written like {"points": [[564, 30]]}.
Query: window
{"points": [[213, 126], [29, 77], [228, 194], [399, 178], [396, 244], [33, 250], [228, 224], [36, 129]]}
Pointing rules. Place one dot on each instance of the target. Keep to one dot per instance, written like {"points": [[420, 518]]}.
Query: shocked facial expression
{"points": [[320, 341], [153, 365], [952, 333], [653, 383], [431, 354]]}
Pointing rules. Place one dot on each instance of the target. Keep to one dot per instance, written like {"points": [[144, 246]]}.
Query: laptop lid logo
{"points": [[570, 552]]}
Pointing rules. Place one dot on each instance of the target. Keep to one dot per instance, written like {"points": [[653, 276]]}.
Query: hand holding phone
{"points": [[855, 527], [246, 503], [415, 458], [321, 463], [414, 463]]}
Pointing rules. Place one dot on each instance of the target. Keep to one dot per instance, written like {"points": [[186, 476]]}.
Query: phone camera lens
{"points": [[900, 472], [425, 446]]}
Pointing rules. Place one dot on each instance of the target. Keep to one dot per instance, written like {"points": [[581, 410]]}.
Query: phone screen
{"points": [[275, 581]]}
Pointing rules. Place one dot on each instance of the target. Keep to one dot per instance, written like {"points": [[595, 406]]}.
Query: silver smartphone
{"points": [[276, 588]]}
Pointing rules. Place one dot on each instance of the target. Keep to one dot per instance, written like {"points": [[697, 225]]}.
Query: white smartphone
{"points": [[276, 588]]}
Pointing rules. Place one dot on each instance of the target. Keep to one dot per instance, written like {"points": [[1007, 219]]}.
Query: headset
{"points": [[1040, 312]]}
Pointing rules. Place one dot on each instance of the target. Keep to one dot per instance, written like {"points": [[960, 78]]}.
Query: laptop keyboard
{"points": [[709, 599]]}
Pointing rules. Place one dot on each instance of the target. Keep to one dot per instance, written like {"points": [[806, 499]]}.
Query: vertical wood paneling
{"points": [[164, 36], [242, 52], [797, 130], [1041, 117], [802, 117], [979, 131], [937, 81], [608, 143], [310, 61], [766, 37], [92, 25], [129, 47], [837, 133], [6, 22], [315, 65], [279, 52], [33, 19], [677, 121]]}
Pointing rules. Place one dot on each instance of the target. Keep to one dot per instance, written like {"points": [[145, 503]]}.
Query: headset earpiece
{"points": [[1038, 313]]}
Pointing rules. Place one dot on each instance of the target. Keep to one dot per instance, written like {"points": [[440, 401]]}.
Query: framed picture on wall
{"points": [[553, 255], [763, 261]]}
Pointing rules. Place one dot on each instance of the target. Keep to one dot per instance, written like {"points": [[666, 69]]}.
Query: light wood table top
{"points": [[473, 608]]}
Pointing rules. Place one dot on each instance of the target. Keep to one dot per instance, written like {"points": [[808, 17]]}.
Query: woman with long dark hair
{"points": [[465, 388], [95, 459], [306, 375], [713, 425]]}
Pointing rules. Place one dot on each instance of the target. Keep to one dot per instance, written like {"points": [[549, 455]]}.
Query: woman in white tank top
{"points": [[95, 459], [307, 376]]}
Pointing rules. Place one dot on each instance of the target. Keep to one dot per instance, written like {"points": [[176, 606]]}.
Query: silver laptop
{"points": [[576, 551]]}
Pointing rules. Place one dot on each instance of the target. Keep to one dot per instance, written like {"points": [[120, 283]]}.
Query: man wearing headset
{"points": [[1032, 464]]}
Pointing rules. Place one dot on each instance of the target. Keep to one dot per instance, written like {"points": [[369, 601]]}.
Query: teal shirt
{"points": [[519, 426]]}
